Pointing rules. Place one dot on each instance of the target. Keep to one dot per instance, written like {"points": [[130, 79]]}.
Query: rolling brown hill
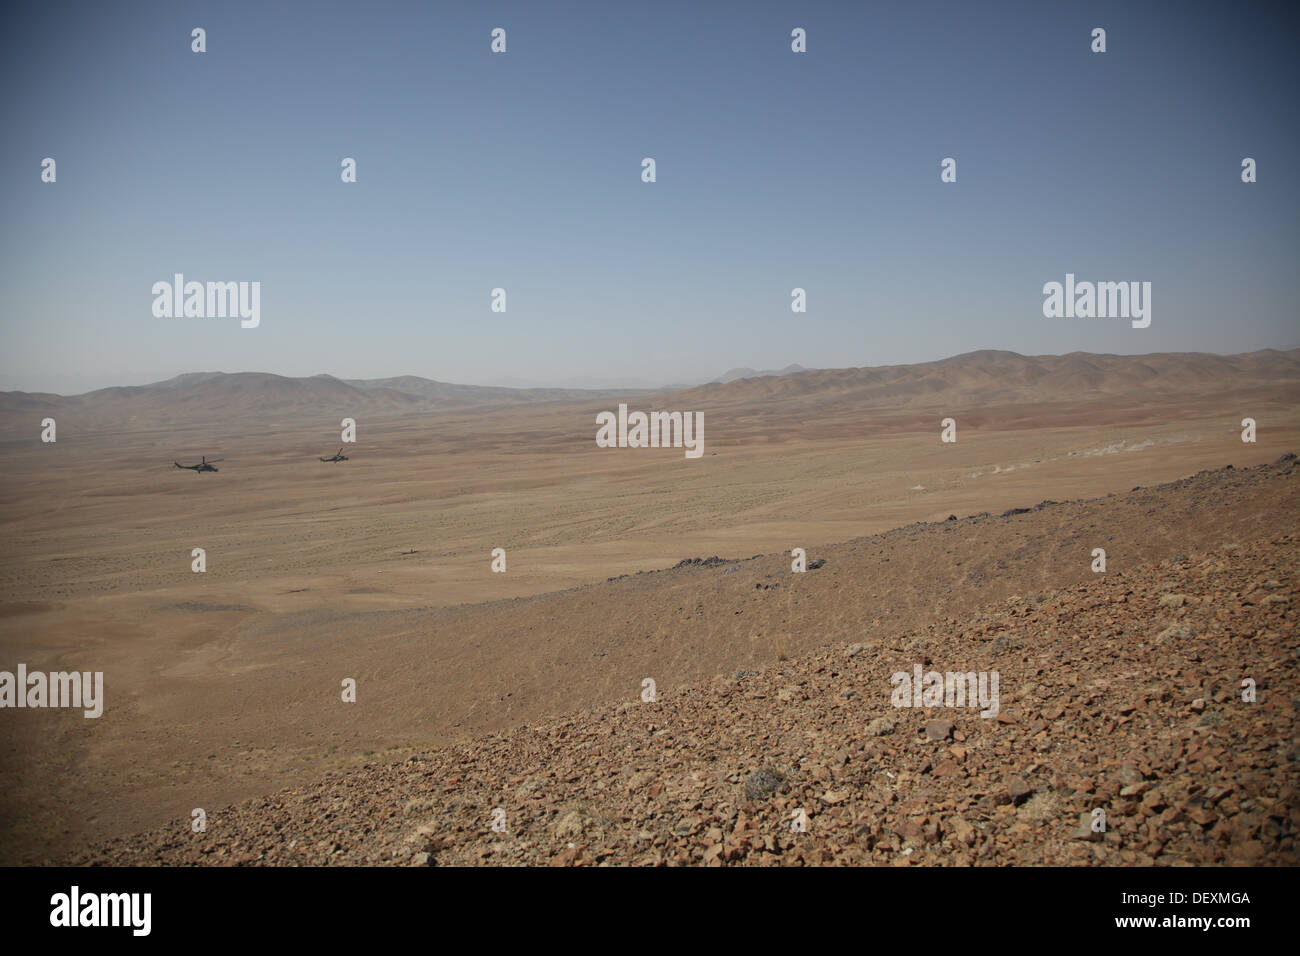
{"points": [[985, 380], [991, 377], [217, 399]]}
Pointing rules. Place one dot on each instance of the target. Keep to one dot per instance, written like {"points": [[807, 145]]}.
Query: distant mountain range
{"points": [[739, 373], [399, 392], [992, 377], [983, 377]]}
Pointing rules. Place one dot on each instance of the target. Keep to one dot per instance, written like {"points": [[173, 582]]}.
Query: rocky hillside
{"points": [[1124, 694]]}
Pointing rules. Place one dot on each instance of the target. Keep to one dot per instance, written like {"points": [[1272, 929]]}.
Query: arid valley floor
{"points": [[522, 691]]}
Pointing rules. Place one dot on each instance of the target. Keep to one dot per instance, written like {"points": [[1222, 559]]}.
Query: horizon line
{"points": [[678, 386]]}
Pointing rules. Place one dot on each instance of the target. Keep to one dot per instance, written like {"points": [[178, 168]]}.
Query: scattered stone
{"points": [[1176, 632], [762, 783], [880, 727], [938, 729], [1017, 788], [962, 831]]}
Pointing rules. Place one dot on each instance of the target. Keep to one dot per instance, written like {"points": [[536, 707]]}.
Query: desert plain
{"points": [[223, 687]]}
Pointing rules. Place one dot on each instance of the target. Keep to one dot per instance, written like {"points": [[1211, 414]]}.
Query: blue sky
{"points": [[775, 170]]}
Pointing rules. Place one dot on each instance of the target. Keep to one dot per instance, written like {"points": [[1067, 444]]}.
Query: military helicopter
{"points": [[203, 465], [338, 456]]}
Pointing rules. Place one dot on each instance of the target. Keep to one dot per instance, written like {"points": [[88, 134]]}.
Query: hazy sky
{"points": [[523, 171]]}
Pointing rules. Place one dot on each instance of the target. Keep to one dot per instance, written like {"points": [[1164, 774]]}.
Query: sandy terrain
{"points": [[810, 761], [225, 685]]}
